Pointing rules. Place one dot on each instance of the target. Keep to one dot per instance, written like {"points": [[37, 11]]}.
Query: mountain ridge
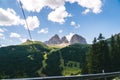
{"points": [[56, 40]]}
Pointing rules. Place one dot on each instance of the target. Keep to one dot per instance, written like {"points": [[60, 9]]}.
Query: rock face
{"points": [[77, 39], [64, 40], [55, 40]]}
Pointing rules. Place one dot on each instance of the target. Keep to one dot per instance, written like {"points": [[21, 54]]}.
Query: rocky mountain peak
{"points": [[64, 40], [54, 40], [77, 39], [56, 36]]}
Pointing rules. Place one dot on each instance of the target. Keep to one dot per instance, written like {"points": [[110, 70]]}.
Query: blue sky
{"points": [[46, 18]]}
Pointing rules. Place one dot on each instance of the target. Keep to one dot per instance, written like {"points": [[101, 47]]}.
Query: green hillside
{"points": [[115, 37], [34, 58], [66, 61], [22, 60]]}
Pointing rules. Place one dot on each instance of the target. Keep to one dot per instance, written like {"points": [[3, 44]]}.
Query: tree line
{"points": [[103, 55]]}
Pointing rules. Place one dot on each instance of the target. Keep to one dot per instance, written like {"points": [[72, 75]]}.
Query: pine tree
{"points": [[98, 56], [118, 51], [103, 56], [95, 41], [100, 37], [115, 53], [92, 58]]}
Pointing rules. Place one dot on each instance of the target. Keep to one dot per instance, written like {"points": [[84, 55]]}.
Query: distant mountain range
{"points": [[55, 40]]}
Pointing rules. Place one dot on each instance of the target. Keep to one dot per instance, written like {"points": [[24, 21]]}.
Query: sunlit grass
{"points": [[71, 71]]}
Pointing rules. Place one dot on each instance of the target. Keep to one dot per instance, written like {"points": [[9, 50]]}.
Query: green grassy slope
{"points": [[66, 61], [33, 59], [22, 60]]}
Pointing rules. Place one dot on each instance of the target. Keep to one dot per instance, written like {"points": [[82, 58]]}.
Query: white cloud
{"points": [[33, 5], [18, 36], [23, 39], [92, 5], [74, 24], [14, 35], [2, 36], [1, 30], [59, 15], [32, 22], [38, 5], [86, 11], [53, 4], [44, 31], [69, 36], [60, 31], [71, 1], [8, 17]]}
